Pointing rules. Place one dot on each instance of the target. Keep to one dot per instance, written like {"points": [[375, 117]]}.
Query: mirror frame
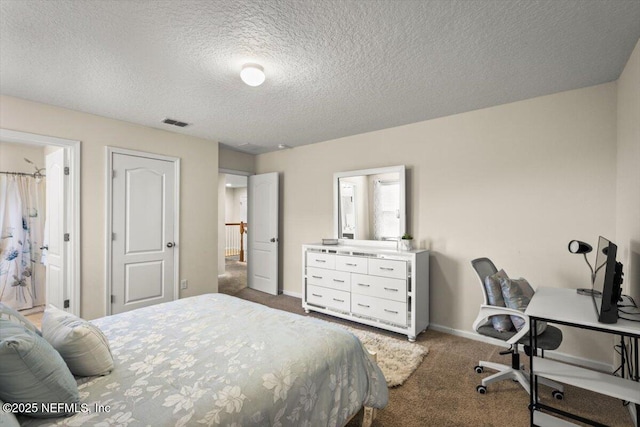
{"points": [[401, 170]]}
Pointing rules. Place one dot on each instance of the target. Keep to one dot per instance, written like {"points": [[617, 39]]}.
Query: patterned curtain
{"points": [[22, 277]]}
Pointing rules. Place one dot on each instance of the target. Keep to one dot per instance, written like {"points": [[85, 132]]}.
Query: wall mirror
{"points": [[370, 204]]}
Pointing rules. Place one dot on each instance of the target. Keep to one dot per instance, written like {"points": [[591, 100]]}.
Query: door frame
{"points": [[72, 220], [110, 151], [221, 220]]}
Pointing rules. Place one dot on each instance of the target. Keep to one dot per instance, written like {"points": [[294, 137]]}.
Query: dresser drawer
{"points": [[325, 297], [353, 264], [321, 260], [390, 311], [340, 280], [388, 268], [378, 286]]}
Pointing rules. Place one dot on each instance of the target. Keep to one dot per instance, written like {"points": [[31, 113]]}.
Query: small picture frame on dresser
{"points": [[329, 242]]}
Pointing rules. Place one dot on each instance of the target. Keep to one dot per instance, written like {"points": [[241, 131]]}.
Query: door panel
{"points": [[143, 281], [143, 206], [56, 253], [145, 191], [262, 273]]}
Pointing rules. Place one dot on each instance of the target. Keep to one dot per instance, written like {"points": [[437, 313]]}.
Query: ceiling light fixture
{"points": [[252, 74]]}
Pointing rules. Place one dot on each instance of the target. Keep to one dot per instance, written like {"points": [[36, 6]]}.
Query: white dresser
{"points": [[385, 288]]}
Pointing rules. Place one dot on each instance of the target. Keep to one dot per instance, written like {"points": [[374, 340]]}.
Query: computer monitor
{"points": [[607, 280]]}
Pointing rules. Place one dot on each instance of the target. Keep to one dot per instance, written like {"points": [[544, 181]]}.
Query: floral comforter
{"points": [[216, 360]]}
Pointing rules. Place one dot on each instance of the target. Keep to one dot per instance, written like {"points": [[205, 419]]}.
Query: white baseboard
{"points": [[292, 294], [562, 357]]}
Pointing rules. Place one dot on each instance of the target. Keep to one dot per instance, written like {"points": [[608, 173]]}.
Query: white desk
{"points": [[567, 307]]}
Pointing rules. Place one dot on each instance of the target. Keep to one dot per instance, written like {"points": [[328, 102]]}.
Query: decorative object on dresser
{"points": [[375, 286], [406, 242]]}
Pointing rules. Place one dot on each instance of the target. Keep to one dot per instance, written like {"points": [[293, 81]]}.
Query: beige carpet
{"points": [[442, 390], [396, 357]]}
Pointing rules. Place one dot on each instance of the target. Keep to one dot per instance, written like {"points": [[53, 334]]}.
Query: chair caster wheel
{"points": [[479, 369], [557, 394], [481, 389]]}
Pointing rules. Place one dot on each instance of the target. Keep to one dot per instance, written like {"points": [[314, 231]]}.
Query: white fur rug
{"points": [[397, 358]]}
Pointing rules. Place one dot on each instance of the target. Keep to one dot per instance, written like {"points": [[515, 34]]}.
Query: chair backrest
{"points": [[484, 267]]}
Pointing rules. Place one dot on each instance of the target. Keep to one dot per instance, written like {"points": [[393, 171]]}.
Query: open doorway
{"points": [[39, 222], [233, 232]]}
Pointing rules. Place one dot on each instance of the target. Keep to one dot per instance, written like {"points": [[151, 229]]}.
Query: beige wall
{"points": [[12, 157], [234, 160], [514, 182], [199, 177], [628, 197]]}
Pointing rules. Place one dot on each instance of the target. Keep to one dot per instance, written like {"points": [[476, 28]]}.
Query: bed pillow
{"points": [[502, 322], [81, 344], [7, 419], [33, 371], [517, 294], [11, 314]]}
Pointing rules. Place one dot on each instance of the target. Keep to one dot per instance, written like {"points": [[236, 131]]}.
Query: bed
{"points": [[216, 360]]}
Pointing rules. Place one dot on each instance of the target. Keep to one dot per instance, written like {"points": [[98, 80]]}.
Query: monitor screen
{"points": [[607, 280]]}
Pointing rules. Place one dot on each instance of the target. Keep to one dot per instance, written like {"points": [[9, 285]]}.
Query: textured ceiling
{"points": [[334, 68]]}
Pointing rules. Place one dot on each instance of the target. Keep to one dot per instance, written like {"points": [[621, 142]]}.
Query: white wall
{"points": [[514, 182], [199, 200], [628, 197]]}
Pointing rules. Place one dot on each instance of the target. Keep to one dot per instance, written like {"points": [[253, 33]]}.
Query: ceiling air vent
{"points": [[175, 122]]}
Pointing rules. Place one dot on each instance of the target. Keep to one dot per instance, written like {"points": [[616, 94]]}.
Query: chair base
{"points": [[520, 375]]}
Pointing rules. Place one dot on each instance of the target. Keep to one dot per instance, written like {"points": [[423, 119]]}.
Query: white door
{"points": [[262, 273], [143, 221], [56, 292]]}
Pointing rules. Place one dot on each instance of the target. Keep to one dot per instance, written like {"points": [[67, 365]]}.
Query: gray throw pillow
{"points": [[7, 419], [9, 313], [501, 323], [517, 294], [81, 344], [32, 371]]}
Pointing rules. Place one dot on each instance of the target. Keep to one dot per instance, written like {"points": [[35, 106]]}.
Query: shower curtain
{"points": [[22, 207]]}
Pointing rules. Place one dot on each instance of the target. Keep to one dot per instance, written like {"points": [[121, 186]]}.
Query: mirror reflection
{"points": [[370, 204]]}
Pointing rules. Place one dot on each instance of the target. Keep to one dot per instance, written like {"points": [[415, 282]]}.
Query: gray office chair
{"points": [[550, 339]]}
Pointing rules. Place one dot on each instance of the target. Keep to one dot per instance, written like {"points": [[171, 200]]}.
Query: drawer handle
{"points": [[391, 289], [351, 265], [321, 260], [339, 281], [364, 305], [364, 284], [316, 295], [386, 268], [339, 300], [390, 311], [317, 277]]}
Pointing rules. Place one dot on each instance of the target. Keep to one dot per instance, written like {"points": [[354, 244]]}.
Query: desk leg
{"points": [[636, 368], [533, 381]]}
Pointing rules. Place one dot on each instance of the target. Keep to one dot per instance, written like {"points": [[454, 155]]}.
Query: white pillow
{"points": [[81, 344]]}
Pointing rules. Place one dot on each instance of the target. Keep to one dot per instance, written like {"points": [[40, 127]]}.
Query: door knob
{"points": [[170, 244], [273, 240]]}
